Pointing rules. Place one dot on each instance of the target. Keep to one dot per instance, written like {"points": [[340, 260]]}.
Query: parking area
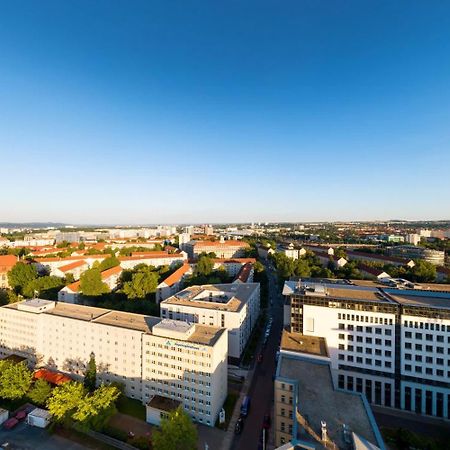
{"points": [[24, 437]]}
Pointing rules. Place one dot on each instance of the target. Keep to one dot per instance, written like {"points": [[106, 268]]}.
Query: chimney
{"points": [[323, 425]]}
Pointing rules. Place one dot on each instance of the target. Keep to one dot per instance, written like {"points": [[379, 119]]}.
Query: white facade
{"points": [[233, 306], [146, 354], [411, 370]]}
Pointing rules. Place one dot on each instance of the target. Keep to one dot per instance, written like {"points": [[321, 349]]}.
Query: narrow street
{"points": [[261, 388]]}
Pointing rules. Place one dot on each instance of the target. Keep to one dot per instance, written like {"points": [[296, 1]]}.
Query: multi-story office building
{"points": [[310, 412], [234, 306], [393, 344], [150, 356]]}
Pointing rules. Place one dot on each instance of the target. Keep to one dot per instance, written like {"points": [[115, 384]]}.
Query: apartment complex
{"points": [[150, 356], [222, 248], [234, 306], [309, 410], [391, 343]]}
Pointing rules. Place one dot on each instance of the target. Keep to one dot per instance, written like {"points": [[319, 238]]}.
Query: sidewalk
{"points": [[229, 435]]}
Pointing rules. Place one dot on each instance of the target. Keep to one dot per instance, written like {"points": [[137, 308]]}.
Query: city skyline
{"points": [[224, 113]]}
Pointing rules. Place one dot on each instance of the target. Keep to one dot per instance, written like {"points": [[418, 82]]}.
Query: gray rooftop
{"points": [[423, 295], [319, 401]]}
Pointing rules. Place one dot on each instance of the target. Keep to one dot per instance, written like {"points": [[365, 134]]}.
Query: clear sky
{"points": [[210, 111]]}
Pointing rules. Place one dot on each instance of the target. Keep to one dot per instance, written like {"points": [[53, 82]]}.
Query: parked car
{"points": [[245, 406], [266, 421], [10, 423], [239, 426]]}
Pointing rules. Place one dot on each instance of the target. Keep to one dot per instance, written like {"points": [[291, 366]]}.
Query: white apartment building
{"points": [[222, 248], [234, 306], [148, 355], [393, 344]]}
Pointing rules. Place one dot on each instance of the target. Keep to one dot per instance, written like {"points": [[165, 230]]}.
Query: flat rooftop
{"points": [[318, 401], [202, 334], [163, 403], [297, 342], [431, 295], [130, 321], [223, 297]]}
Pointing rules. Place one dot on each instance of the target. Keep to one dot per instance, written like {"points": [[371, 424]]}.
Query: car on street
{"points": [[239, 426], [260, 358], [266, 421], [245, 406]]}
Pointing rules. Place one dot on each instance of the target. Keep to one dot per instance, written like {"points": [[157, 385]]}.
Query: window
{"points": [[388, 332], [408, 356], [408, 334], [368, 329], [341, 336], [341, 326]]}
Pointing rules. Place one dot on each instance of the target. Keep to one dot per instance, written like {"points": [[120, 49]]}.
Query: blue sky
{"points": [[200, 111]]}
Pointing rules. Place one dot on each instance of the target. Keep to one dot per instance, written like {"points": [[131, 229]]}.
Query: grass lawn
{"points": [[132, 407], [228, 406]]}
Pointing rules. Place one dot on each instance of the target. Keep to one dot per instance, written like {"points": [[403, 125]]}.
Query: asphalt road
{"points": [[261, 388]]}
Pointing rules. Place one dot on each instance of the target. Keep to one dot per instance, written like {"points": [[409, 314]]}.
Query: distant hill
{"points": [[31, 224]]}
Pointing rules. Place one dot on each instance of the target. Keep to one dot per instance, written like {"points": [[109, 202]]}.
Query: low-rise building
{"points": [[310, 412], [7, 262], [150, 356], [234, 306], [173, 283]]}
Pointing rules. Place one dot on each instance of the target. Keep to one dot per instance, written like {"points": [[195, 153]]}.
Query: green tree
{"points": [[65, 400], [423, 271], [301, 268], [20, 275], [142, 283], [108, 263], [205, 265], [176, 432], [258, 267], [46, 287], [94, 410], [7, 296], [90, 377], [15, 379], [40, 392], [91, 283]]}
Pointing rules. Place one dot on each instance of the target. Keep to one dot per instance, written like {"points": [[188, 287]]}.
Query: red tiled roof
{"points": [[230, 243], [74, 287], [7, 262], [176, 276], [73, 265], [112, 271], [70, 258], [244, 273], [372, 270], [137, 258], [51, 377]]}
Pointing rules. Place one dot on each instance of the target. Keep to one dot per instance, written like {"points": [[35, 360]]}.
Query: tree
{"points": [[258, 267], [176, 432], [7, 296], [301, 268], [20, 275], [108, 263], [46, 287], [90, 377], [142, 283], [91, 283], [65, 400], [205, 266], [40, 392], [423, 271], [15, 379], [94, 410]]}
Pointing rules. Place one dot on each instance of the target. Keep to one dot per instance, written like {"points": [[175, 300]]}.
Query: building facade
{"points": [[148, 355], [392, 344], [234, 306]]}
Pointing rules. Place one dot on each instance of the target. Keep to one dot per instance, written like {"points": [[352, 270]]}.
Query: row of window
{"points": [[427, 326], [382, 392], [428, 348], [367, 319], [367, 339], [426, 370], [366, 329], [367, 361], [428, 336]]}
